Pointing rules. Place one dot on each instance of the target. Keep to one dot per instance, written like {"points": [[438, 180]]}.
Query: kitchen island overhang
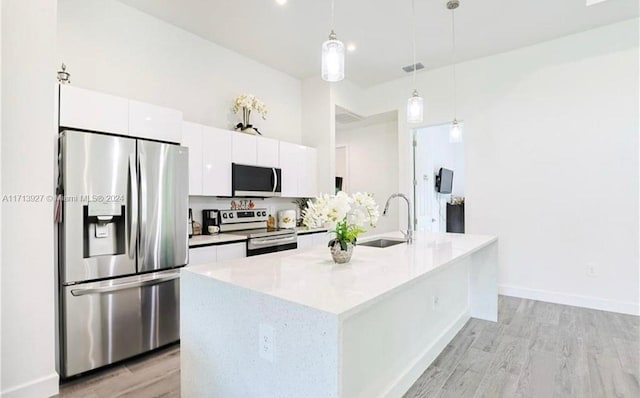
{"points": [[294, 324]]}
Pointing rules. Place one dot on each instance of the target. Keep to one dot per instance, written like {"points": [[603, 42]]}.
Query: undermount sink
{"points": [[382, 242]]}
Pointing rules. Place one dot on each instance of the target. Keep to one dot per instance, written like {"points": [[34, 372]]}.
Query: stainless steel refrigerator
{"points": [[121, 243]]}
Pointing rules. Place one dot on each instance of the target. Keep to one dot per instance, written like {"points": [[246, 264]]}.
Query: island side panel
{"points": [[221, 327], [483, 283], [389, 344]]}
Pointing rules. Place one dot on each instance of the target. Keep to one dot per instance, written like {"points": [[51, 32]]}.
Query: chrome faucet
{"points": [[408, 236]]}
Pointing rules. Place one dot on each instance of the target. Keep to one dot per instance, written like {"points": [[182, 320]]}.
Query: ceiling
{"points": [[288, 37]]}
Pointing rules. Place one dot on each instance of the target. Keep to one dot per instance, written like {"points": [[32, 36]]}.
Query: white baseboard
{"points": [[595, 303], [400, 386], [46, 386]]}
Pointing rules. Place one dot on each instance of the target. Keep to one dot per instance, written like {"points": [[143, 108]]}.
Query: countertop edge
{"points": [[227, 241], [311, 231]]}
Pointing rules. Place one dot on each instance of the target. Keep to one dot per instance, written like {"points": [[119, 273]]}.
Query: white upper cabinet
{"points": [[289, 163], [90, 110], [299, 170], [268, 153], [307, 177], [216, 158], [154, 122], [243, 149], [192, 139]]}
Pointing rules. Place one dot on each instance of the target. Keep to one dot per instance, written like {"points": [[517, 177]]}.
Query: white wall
{"points": [[551, 157], [318, 120], [373, 167], [1, 128], [28, 145], [113, 48]]}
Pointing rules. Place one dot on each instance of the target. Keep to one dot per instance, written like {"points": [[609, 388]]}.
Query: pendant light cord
{"points": [[413, 33], [453, 61], [332, 19]]}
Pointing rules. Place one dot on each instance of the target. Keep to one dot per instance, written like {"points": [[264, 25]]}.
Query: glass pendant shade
{"points": [[415, 108], [455, 132], [332, 59]]}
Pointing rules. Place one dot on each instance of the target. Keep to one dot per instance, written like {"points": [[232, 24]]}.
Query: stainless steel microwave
{"points": [[255, 181]]}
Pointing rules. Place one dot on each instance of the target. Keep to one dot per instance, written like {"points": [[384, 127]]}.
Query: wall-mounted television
{"points": [[444, 180]]}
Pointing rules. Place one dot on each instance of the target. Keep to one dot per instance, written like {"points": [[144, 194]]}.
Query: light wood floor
{"points": [[535, 350]]}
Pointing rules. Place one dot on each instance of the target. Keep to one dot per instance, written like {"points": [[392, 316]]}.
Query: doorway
{"points": [[432, 150]]}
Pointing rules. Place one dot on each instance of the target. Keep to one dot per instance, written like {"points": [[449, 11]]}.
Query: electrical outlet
{"points": [[592, 270], [267, 342]]}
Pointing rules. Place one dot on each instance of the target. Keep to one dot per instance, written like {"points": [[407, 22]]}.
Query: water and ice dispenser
{"points": [[104, 229]]}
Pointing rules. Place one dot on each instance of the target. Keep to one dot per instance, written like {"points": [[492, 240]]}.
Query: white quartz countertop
{"points": [[310, 277], [203, 240]]}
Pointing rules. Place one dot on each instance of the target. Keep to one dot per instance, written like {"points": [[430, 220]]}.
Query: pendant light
{"points": [[455, 130], [415, 103], [332, 56]]}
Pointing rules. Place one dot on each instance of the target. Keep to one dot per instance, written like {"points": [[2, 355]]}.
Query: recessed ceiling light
{"points": [[281, 2], [351, 47]]}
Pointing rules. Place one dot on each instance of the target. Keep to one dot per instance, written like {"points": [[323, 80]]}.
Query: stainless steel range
{"points": [[253, 224]]}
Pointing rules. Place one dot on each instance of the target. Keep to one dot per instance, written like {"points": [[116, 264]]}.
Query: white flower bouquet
{"points": [[347, 216], [248, 103]]}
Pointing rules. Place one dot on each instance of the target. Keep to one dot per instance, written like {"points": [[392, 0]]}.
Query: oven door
{"points": [[255, 181], [274, 244]]}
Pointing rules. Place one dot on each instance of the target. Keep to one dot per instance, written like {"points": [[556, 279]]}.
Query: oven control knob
{"points": [[224, 215], [230, 215], [264, 213]]}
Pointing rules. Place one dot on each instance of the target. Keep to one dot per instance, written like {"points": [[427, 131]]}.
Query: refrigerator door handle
{"points": [[143, 208], [134, 206], [275, 179], [143, 281]]}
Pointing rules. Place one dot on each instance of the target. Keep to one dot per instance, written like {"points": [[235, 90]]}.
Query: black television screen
{"points": [[444, 181]]}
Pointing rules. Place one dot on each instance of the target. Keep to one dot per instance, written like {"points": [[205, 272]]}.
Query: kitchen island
{"points": [[294, 324]]}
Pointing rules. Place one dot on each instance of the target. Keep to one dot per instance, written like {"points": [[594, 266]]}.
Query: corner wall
{"points": [[28, 154]]}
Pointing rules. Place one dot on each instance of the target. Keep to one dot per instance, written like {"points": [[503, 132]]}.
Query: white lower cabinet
{"points": [[218, 253], [321, 238], [203, 255], [232, 251], [305, 241], [313, 239]]}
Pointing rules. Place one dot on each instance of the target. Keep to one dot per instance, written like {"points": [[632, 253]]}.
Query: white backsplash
{"points": [[273, 205]]}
